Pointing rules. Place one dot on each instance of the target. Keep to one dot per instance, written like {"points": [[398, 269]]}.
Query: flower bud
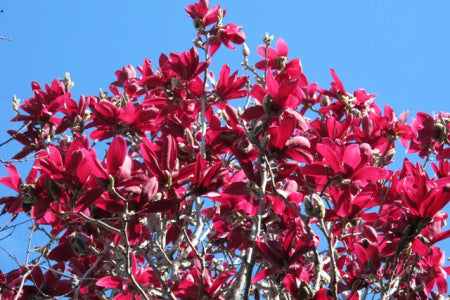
{"points": [[268, 105], [79, 242], [176, 83], [309, 209], [16, 104], [306, 291], [265, 141], [390, 155], [198, 24], [245, 50], [281, 62], [324, 101], [441, 132], [189, 136], [267, 39], [28, 196], [220, 17], [320, 209]]}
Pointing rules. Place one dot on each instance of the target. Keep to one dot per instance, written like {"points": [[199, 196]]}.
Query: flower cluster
{"points": [[290, 197]]}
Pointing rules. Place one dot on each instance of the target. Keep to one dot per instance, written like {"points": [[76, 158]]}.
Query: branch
{"points": [[78, 282], [99, 223], [128, 252], [28, 272], [203, 100], [332, 249]]}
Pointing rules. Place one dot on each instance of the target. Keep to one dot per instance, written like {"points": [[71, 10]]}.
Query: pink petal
{"points": [[113, 282], [337, 83], [13, 181], [352, 156], [370, 173], [330, 157], [116, 154], [280, 135], [282, 47], [272, 85], [258, 92], [263, 274]]}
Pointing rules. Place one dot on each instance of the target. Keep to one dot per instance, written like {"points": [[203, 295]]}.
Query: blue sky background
{"points": [[399, 50]]}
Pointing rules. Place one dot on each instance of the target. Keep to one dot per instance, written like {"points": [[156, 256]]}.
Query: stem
{"points": [[99, 223], [77, 290], [256, 228], [25, 276], [128, 254], [334, 268], [203, 100], [167, 291]]}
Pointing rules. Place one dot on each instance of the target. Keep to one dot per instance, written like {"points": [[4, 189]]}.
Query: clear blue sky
{"points": [[399, 50]]}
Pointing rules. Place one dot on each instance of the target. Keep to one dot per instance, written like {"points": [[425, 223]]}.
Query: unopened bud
{"points": [[268, 105], [265, 141], [320, 210], [176, 83], [441, 297], [267, 39], [390, 155], [356, 285], [256, 129], [306, 291], [346, 181], [441, 132], [245, 50], [324, 101], [189, 136], [309, 209], [158, 196], [223, 115], [281, 61], [169, 179], [28, 196], [79, 242], [102, 94], [16, 104], [198, 42], [220, 17], [67, 81], [198, 24]]}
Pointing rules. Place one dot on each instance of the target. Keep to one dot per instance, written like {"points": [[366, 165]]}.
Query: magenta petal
{"points": [[419, 247], [263, 274], [258, 92], [337, 83], [113, 282], [13, 181], [272, 85], [370, 173], [330, 157], [282, 47], [352, 156], [116, 154], [253, 113], [283, 132], [62, 252]]}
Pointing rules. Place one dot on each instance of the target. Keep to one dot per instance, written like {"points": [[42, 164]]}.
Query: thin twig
{"points": [[128, 253], [83, 278]]}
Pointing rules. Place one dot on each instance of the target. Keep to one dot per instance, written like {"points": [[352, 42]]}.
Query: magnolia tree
{"points": [[289, 197]]}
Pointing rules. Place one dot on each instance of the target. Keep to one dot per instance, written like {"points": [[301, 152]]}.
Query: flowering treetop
{"points": [[288, 197]]}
